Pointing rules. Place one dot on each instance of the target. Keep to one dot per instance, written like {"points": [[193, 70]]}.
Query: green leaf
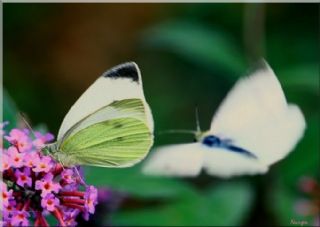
{"points": [[132, 181], [207, 47], [222, 205], [9, 111], [231, 203]]}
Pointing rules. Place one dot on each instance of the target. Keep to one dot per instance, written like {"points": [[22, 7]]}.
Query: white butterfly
{"points": [[252, 129], [110, 125]]}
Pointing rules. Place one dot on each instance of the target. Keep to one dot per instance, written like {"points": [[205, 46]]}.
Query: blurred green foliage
{"points": [[190, 55], [215, 206], [201, 45], [9, 111]]}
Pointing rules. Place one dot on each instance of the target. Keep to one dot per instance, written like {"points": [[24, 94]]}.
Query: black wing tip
{"points": [[126, 70]]}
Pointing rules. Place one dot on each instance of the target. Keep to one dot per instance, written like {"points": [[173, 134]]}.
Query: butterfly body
{"points": [[226, 144], [110, 125]]}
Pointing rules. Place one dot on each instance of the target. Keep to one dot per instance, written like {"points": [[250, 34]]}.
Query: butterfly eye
{"points": [[211, 141]]}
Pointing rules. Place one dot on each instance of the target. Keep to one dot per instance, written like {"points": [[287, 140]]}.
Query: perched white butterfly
{"points": [[252, 129], [110, 125]]}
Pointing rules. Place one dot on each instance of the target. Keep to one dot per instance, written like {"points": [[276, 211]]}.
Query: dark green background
{"points": [[190, 55]]}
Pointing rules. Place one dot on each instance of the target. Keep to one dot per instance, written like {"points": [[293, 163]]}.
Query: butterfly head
{"points": [[53, 151], [49, 149], [198, 135], [211, 141]]}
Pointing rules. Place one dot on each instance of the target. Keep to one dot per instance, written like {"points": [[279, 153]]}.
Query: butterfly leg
{"points": [[81, 179], [59, 161]]}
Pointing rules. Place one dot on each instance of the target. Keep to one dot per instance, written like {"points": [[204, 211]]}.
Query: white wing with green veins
{"points": [[117, 135]]}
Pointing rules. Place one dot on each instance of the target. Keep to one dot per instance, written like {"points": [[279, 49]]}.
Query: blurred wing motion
{"points": [[187, 160], [256, 117], [175, 160], [224, 163], [111, 123]]}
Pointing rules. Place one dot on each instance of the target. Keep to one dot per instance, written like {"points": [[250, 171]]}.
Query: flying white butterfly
{"points": [[253, 128]]}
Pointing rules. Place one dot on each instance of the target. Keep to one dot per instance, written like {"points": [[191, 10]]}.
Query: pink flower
{"points": [[104, 194], [15, 157], [303, 207], [23, 178], [67, 176], [70, 187], [19, 139], [6, 195], [70, 216], [307, 184], [42, 139], [309, 204], [34, 184], [49, 202], [46, 185], [91, 199], [20, 218], [44, 165], [5, 162], [7, 210], [31, 159]]}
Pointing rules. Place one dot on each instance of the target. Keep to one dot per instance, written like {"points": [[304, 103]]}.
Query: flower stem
{"points": [[72, 200], [44, 221], [40, 220], [58, 216], [26, 205], [72, 193], [37, 222], [76, 206]]}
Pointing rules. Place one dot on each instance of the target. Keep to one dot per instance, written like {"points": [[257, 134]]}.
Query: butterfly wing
{"points": [[223, 163], [256, 116], [120, 140], [110, 125], [184, 160], [120, 82]]}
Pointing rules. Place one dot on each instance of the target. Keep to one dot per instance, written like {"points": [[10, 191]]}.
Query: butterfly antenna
{"points": [[197, 120], [24, 118], [184, 131]]}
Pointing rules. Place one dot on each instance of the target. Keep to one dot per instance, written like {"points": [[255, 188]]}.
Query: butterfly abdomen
{"points": [[241, 150], [214, 141]]}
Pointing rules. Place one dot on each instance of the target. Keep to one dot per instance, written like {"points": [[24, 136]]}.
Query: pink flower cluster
{"points": [[35, 185], [310, 205]]}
